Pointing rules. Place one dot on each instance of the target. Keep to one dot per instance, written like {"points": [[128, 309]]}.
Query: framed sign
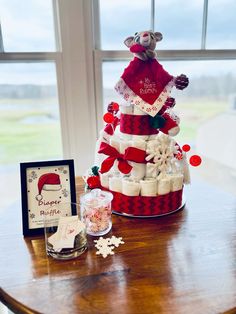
{"points": [[45, 185]]}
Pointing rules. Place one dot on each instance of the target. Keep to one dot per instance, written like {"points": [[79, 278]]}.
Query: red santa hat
{"points": [[48, 182]]}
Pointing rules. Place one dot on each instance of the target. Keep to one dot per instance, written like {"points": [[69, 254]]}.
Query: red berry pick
{"points": [[115, 106], [93, 182], [108, 117], [195, 160]]}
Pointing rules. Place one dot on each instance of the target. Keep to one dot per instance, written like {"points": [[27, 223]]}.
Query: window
{"points": [[30, 119], [27, 26], [47, 87]]}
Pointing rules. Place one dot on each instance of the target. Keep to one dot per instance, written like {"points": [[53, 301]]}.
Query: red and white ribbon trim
{"points": [[123, 89]]}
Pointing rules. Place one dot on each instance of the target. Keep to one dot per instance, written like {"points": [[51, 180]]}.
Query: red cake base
{"points": [[146, 205]]}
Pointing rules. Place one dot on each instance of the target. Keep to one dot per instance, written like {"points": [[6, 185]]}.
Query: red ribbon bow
{"points": [[131, 154]]}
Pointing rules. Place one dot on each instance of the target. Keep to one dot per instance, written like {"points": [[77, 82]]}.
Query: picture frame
{"points": [[44, 184]]}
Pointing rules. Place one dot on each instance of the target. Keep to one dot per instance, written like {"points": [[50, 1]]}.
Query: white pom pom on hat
{"points": [[48, 182]]}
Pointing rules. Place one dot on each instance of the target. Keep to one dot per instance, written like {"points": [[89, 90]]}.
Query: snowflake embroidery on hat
{"points": [[161, 152]]}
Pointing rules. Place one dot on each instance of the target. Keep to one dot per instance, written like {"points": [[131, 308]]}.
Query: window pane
{"points": [[180, 22], [120, 19], [221, 28], [29, 121], [207, 109], [27, 25]]}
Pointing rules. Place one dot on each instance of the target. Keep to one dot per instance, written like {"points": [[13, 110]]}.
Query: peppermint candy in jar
{"points": [[96, 212]]}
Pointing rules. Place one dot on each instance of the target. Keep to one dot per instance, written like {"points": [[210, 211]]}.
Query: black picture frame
{"points": [[34, 177]]}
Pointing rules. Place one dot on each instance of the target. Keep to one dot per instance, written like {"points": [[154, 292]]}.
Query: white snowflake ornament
{"points": [[162, 151], [105, 250], [116, 241], [101, 242], [105, 246]]}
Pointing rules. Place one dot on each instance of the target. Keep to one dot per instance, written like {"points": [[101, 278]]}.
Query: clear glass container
{"points": [[65, 233], [96, 212]]}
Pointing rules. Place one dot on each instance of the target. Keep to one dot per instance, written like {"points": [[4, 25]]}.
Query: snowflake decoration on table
{"points": [[105, 246], [105, 251], [116, 241], [65, 193], [102, 242], [161, 152]]}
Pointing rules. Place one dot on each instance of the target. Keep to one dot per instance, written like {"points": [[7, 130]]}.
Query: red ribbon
{"points": [[110, 127], [131, 154]]}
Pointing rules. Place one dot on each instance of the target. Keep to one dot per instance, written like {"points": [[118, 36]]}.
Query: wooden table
{"points": [[181, 263]]}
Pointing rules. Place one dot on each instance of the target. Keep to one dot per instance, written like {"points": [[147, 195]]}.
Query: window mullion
{"points": [[169, 55], [204, 24], [56, 22], [28, 56], [1, 40], [153, 15], [96, 24]]}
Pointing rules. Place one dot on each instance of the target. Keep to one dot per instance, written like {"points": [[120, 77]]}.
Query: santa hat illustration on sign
{"points": [[48, 182]]}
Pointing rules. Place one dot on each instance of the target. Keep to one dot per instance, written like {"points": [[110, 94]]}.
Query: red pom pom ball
{"points": [[195, 160], [108, 117], [186, 148]]}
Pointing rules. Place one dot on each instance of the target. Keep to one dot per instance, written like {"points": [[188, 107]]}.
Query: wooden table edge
{"points": [[15, 305]]}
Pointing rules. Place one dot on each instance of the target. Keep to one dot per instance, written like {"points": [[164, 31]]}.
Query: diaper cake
{"points": [[137, 157]]}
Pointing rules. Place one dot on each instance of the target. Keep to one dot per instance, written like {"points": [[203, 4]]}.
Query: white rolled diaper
{"points": [[139, 112], [115, 184], [138, 171], [126, 109], [124, 145], [104, 179], [114, 142], [125, 137], [153, 137], [176, 182], [148, 187], [141, 144], [140, 137], [151, 170], [130, 187], [163, 186]]}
